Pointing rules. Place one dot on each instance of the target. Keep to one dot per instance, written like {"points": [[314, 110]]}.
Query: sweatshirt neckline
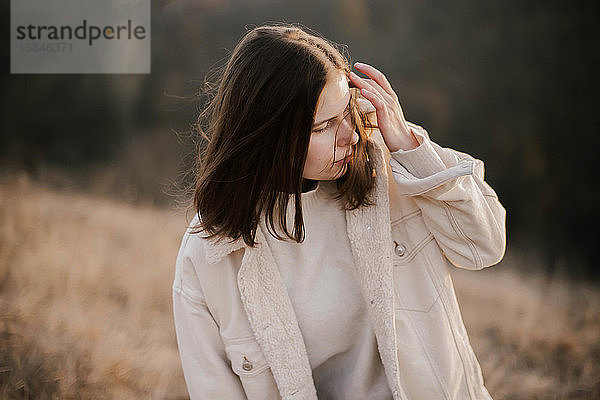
{"points": [[324, 189]]}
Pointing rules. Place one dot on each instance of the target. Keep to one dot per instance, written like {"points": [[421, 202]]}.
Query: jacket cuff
{"points": [[422, 161]]}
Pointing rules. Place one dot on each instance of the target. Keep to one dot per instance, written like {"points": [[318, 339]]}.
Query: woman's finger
{"points": [[377, 76], [374, 98], [370, 85]]}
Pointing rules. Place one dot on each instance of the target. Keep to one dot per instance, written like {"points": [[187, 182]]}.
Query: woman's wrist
{"points": [[405, 141]]}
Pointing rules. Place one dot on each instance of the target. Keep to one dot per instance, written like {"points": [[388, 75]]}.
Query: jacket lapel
{"points": [[369, 231], [274, 321]]}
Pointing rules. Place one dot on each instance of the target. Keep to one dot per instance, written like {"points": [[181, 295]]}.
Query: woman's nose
{"points": [[349, 137]]}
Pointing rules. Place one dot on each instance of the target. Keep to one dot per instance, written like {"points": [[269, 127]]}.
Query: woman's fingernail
{"points": [[359, 64]]}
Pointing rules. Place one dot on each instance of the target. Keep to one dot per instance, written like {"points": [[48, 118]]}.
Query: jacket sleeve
{"points": [[460, 209], [207, 371]]}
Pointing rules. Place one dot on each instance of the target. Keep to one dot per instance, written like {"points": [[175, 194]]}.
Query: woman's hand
{"points": [[390, 118]]}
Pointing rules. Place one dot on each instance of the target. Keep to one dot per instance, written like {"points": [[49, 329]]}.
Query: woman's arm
{"points": [[460, 209], [206, 369]]}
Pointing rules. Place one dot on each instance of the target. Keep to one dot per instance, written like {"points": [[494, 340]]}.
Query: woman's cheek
{"points": [[323, 149], [315, 162]]}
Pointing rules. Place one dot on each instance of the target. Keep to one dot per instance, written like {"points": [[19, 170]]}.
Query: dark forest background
{"points": [[514, 83]]}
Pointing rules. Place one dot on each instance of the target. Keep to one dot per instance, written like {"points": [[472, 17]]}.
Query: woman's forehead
{"points": [[333, 98]]}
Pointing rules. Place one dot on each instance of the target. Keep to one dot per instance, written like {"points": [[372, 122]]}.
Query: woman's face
{"points": [[332, 107]]}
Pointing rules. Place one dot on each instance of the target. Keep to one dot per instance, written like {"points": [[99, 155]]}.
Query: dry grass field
{"points": [[85, 303]]}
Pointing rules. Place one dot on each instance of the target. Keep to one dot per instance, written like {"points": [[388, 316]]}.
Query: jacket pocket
{"points": [[414, 288], [249, 363]]}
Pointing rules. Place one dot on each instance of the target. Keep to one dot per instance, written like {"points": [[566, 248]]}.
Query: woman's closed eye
{"points": [[330, 122], [323, 129]]}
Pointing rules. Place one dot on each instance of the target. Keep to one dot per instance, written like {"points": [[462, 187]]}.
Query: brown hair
{"points": [[259, 127]]}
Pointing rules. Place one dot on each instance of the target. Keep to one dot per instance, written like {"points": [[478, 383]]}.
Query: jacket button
{"points": [[246, 365], [399, 249]]}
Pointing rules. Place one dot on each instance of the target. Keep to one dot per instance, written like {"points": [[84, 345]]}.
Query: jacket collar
{"points": [[217, 248]]}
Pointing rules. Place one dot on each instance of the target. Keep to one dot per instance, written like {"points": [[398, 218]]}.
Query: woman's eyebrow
{"points": [[332, 118]]}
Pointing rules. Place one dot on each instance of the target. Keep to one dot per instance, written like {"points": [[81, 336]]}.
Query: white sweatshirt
{"points": [[322, 284]]}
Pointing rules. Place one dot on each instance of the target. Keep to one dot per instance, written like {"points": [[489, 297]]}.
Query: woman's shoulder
{"points": [[203, 249], [200, 257], [190, 257]]}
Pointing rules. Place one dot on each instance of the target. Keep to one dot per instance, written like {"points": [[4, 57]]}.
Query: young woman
{"points": [[345, 293]]}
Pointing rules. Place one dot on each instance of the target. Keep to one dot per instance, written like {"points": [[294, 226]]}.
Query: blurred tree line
{"points": [[513, 83]]}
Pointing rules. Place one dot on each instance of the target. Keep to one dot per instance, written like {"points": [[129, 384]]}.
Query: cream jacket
{"points": [[237, 333]]}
